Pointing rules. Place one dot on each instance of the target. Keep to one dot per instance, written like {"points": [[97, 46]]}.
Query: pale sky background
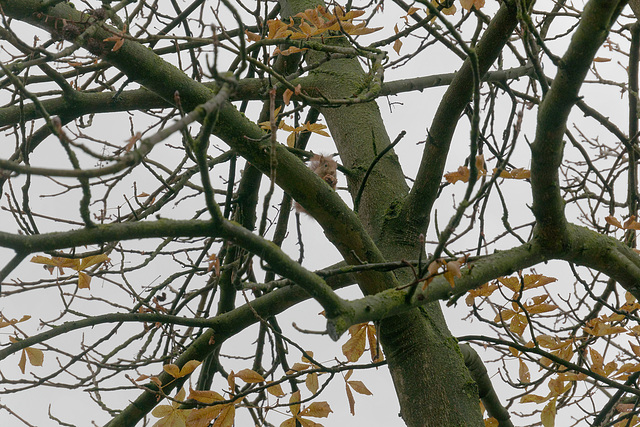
{"points": [[411, 112]]}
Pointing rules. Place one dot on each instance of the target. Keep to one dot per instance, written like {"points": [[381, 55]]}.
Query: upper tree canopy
{"points": [[166, 162]]}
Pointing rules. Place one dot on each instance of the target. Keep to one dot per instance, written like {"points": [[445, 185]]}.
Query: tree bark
{"points": [[433, 385]]}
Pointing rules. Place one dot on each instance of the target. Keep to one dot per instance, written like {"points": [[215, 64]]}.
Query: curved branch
{"points": [[485, 389], [547, 148], [485, 269], [272, 254], [417, 209]]}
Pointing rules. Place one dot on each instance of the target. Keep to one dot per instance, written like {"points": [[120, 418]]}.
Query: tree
{"points": [[189, 260]]}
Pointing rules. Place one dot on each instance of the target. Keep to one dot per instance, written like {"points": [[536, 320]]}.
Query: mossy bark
{"points": [[433, 385]]}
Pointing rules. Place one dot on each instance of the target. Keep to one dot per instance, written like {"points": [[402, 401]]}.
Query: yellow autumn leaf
{"points": [[312, 16], [596, 358], [278, 29], [6, 323], [532, 281], [189, 367], [298, 367], [452, 11], [36, 356], [599, 328], [294, 403], [483, 291], [462, 174], [202, 417], [84, 280], [627, 368], [518, 173], [354, 347], [289, 51], [306, 359], [528, 398], [226, 417], [359, 29], [521, 173], [468, 4], [307, 29], [317, 128], [539, 299], [312, 382], [205, 396], [172, 370], [171, 415], [397, 45], [518, 324], [504, 315], [317, 410], [635, 349], [22, 363], [291, 140], [547, 341], [275, 390], [93, 260], [558, 387], [58, 262], [352, 14], [548, 415], [452, 271], [250, 376], [541, 308], [118, 42]]}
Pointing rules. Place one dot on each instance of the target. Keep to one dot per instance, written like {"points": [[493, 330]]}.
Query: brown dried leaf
{"points": [[252, 37], [523, 373], [359, 387], [613, 221]]}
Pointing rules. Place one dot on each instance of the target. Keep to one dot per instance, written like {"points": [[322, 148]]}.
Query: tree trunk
{"points": [[433, 385]]}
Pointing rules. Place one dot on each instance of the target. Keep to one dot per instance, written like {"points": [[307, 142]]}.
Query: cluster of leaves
{"points": [[77, 264], [463, 173], [446, 8], [316, 128], [517, 319], [34, 355], [629, 224], [221, 412], [314, 23], [520, 312], [213, 405]]}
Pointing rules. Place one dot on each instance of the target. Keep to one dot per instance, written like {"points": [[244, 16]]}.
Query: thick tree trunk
{"points": [[433, 385]]}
